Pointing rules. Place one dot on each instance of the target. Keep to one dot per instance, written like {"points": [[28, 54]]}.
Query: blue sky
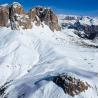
{"points": [[73, 7]]}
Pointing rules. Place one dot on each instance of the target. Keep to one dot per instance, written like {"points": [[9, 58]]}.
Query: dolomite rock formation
{"points": [[4, 15], [20, 19], [70, 85], [18, 8], [46, 15]]}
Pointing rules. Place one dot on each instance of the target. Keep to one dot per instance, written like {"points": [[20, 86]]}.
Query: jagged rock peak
{"points": [[46, 15], [4, 15], [37, 15], [18, 8], [16, 4], [70, 85]]}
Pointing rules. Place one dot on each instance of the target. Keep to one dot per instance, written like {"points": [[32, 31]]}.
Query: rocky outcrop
{"points": [[70, 85], [19, 19], [4, 15], [18, 8], [24, 22], [12, 17], [46, 15]]}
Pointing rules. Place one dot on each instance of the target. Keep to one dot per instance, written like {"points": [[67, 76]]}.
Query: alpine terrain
{"points": [[44, 55]]}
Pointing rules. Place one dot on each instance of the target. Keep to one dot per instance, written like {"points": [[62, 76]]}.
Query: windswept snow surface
{"points": [[29, 56]]}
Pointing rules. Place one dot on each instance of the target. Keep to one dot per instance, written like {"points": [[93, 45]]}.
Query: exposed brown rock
{"points": [[25, 22], [18, 9], [40, 14], [55, 23], [71, 85], [17, 17], [4, 15]]}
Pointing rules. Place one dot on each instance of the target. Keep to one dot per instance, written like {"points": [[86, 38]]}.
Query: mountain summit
{"points": [[14, 15]]}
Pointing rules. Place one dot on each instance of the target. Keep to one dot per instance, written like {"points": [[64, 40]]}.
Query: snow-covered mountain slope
{"points": [[40, 60], [29, 56]]}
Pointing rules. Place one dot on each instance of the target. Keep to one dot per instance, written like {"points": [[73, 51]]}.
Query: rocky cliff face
{"points": [[70, 85], [46, 15], [19, 19], [4, 15], [18, 8]]}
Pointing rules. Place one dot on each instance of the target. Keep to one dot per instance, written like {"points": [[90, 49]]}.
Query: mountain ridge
{"points": [[40, 61], [19, 18]]}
